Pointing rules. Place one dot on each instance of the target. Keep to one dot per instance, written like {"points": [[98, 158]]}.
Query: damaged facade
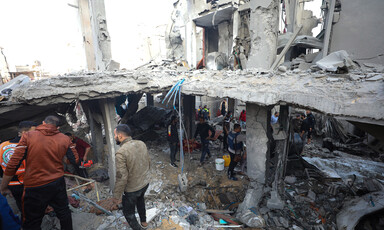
{"points": [[234, 51]]}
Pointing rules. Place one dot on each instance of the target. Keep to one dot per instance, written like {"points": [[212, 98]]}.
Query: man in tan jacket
{"points": [[132, 175]]}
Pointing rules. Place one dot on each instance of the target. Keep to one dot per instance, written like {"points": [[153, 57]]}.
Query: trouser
{"points": [[36, 200], [17, 193], [173, 147], [204, 149], [232, 165], [131, 200], [225, 141]]}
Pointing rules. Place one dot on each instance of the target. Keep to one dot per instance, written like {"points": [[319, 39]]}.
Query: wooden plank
{"points": [[287, 46]]}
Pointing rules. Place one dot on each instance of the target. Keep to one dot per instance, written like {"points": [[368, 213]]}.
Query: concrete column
{"points": [[263, 28], [85, 20], [258, 118], [190, 42], [189, 114], [97, 138], [107, 107], [235, 28], [224, 38], [150, 101], [101, 38]]}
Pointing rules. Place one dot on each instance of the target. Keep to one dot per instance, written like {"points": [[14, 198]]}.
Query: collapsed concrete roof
{"points": [[354, 96]]}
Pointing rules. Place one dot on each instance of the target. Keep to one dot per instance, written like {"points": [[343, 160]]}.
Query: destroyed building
{"points": [[336, 182]]}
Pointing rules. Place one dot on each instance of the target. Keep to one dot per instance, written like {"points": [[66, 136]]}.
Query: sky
{"points": [[49, 31]]}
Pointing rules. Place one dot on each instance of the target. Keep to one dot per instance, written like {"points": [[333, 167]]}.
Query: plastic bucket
{"points": [[219, 164], [227, 160]]}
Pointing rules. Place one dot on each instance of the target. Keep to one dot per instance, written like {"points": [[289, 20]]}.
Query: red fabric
{"points": [[81, 146], [243, 116]]}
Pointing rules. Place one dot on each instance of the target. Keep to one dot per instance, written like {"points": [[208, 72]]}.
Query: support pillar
{"points": [[150, 101], [235, 28], [97, 138], [258, 132], [107, 107], [101, 38], [189, 114], [231, 105], [263, 28]]}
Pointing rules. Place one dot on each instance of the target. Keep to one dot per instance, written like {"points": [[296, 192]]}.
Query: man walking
{"points": [[44, 173], [235, 147], [203, 129], [132, 176], [173, 139], [7, 149]]}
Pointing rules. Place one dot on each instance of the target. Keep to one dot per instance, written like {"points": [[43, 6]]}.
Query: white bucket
{"points": [[219, 164]]}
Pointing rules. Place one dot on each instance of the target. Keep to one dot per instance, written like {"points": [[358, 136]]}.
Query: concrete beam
{"points": [[107, 107]]}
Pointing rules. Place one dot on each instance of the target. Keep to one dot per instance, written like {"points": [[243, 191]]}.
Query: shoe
{"points": [[145, 225], [173, 165], [232, 178]]}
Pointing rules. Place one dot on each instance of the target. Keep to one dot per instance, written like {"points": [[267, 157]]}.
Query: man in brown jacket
{"points": [[132, 175], [44, 173]]}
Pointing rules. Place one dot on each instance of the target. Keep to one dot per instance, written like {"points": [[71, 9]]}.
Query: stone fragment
{"points": [[290, 179], [282, 68], [275, 202], [375, 78], [311, 195], [284, 222]]}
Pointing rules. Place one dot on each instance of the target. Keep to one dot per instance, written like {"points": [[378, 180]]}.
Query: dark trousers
{"points": [[131, 200], [232, 165], [225, 141], [204, 149], [173, 147], [37, 199], [17, 193]]}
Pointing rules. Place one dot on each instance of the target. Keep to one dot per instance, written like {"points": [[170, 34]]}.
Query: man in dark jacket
{"points": [[173, 139], [44, 173], [226, 128], [203, 129]]}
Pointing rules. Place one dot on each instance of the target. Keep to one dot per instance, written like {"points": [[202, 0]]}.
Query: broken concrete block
{"points": [[252, 220], [375, 78], [282, 68], [290, 179], [355, 77], [331, 79], [335, 60], [275, 202], [113, 66], [310, 57], [294, 227], [311, 195], [284, 222], [142, 81]]}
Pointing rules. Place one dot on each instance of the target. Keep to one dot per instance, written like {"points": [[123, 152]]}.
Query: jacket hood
{"points": [[47, 129]]}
